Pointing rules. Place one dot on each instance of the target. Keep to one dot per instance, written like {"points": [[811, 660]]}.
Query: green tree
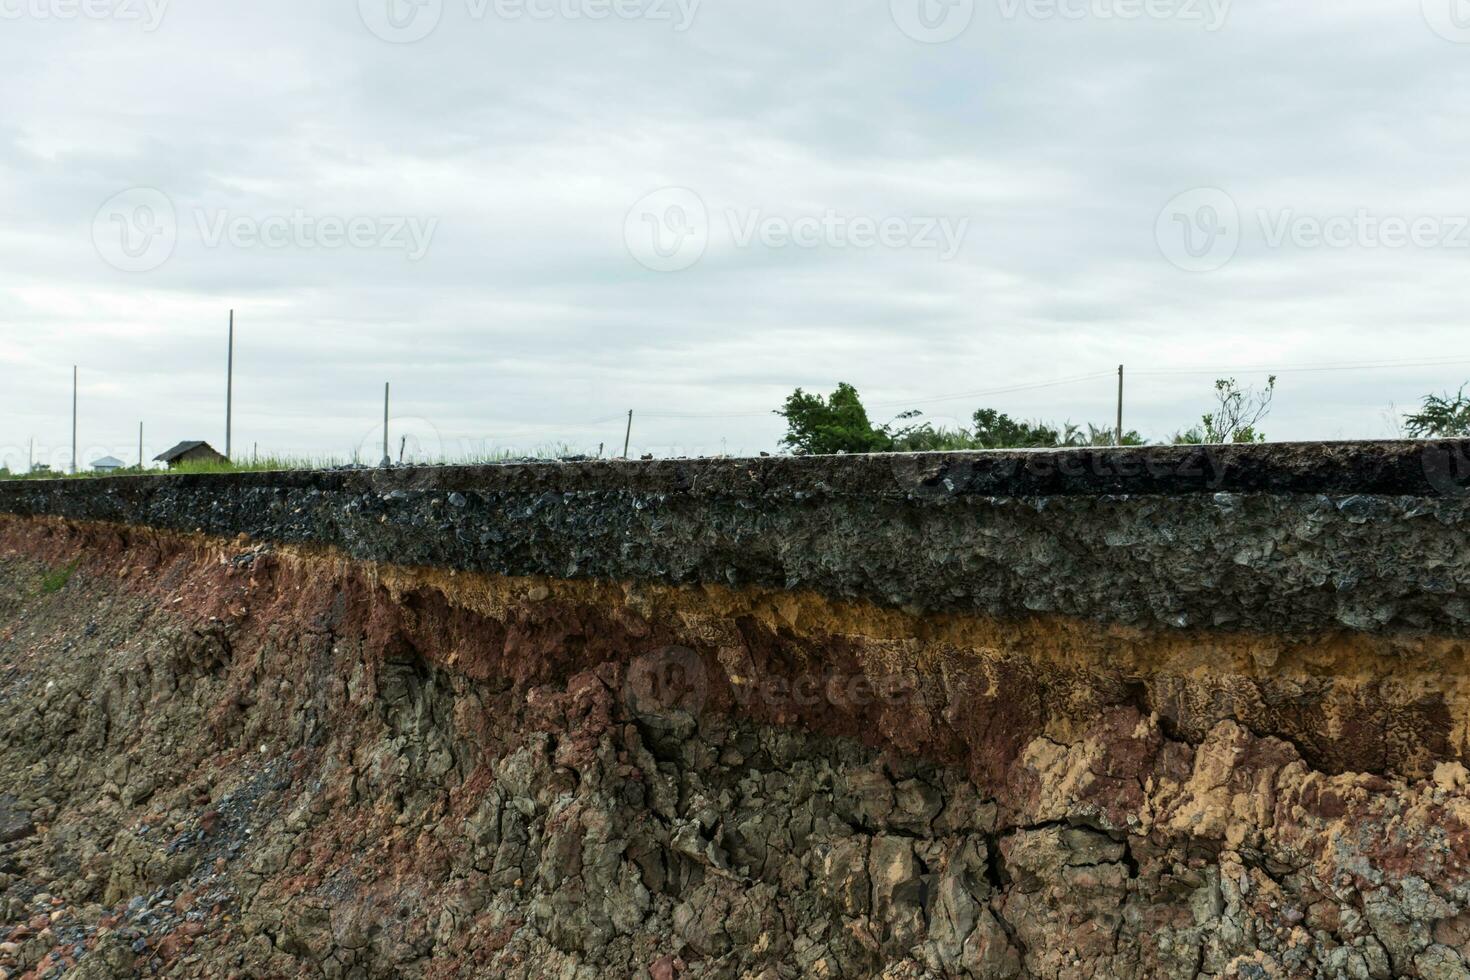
{"points": [[1237, 415], [819, 426], [1106, 435], [996, 430], [1441, 416], [839, 424], [927, 438]]}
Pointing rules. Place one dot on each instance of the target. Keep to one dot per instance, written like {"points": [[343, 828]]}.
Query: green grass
{"points": [[244, 466], [55, 580], [262, 464]]}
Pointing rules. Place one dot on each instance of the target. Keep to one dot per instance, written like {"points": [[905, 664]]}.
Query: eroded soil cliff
{"points": [[227, 758]]}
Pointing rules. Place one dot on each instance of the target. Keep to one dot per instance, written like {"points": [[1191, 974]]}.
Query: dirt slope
{"points": [[220, 758]]}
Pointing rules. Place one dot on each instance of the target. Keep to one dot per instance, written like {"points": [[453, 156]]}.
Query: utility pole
{"points": [[73, 420], [140, 447], [230, 387], [1120, 404], [628, 436], [31, 458], [387, 459]]}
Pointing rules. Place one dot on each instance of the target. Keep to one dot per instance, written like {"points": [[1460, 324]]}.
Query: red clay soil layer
{"points": [[229, 757]]}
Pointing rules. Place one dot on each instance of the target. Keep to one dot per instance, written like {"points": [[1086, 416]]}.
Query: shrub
{"points": [[1441, 416]]}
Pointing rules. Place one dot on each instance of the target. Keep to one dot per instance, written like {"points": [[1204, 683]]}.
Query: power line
{"points": [[997, 391], [1301, 368]]}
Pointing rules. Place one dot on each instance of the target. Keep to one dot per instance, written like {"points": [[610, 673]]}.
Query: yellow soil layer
{"points": [[1410, 692]]}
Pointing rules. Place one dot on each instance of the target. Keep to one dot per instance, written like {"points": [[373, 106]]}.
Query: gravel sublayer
{"points": [[1287, 537]]}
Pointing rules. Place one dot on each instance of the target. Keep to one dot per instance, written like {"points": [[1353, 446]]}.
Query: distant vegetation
{"points": [[44, 472], [262, 464], [818, 426], [839, 424], [1441, 416], [1237, 414]]}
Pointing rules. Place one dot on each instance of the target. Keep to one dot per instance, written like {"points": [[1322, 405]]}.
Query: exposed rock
{"points": [[306, 766], [1357, 536], [15, 821]]}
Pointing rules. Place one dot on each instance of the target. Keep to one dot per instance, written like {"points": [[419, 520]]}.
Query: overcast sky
{"points": [[533, 215]]}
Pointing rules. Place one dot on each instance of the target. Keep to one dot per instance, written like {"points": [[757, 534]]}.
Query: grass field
{"points": [[262, 464]]}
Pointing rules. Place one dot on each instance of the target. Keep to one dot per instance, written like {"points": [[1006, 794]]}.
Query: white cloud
{"points": [[527, 319]]}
